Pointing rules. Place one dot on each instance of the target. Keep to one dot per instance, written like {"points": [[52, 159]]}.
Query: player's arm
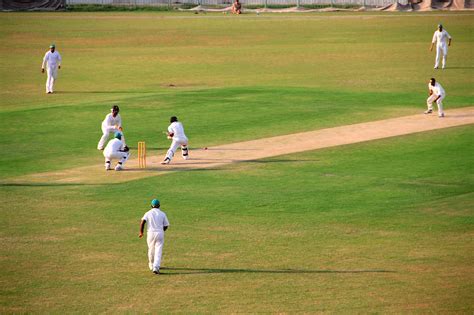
{"points": [[142, 227], [59, 60], [44, 62], [449, 40], [433, 41]]}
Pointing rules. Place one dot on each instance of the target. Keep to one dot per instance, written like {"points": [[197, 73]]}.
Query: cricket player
{"points": [[437, 94], [157, 224], [116, 149], [52, 60], [111, 124], [442, 40], [176, 134]]}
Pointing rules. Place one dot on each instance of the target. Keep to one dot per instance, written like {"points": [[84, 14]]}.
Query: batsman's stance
{"points": [[176, 133], [157, 225]]}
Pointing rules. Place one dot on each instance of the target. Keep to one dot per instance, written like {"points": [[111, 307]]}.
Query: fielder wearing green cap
{"points": [[52, 59], [155, 203], [442, 40], [157, 223]]}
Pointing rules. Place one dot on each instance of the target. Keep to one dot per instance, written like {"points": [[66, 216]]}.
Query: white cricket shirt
{"points": [[441, 38], [155, 220], [52, 59], [437, 89], [111, 121], [177, 129], [114, 146]]}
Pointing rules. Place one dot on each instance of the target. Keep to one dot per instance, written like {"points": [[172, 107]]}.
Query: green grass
{"points": [[384, 226]]}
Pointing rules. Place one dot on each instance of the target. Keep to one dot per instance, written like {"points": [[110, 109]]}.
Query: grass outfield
{"points": [[384, 226]]}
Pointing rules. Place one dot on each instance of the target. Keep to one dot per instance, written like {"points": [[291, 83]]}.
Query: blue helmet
{"points": [[118, 135], [155, 203]]}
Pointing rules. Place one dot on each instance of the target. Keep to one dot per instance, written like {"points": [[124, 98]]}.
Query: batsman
{"points": [[176, 134]]}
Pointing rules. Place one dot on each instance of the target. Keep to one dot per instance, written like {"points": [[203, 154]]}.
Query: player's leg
{"points": [[438, 56], [184, 150], [54, 74], [151, 239], [48, 80], [439, 102], [103, 139], [123, 157], [445, 56], [158, 251], [107, 163], [169, 155], [429, 103]]}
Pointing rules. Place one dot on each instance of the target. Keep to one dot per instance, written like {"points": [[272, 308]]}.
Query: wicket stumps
{"points": [[141, 154]]}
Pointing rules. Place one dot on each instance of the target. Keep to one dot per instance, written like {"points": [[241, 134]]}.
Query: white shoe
{"points": [[441, 115], [107, 167], [150, 265], [165, 161], [436, 67], [185, 157], [118, 167], [429, 111]]}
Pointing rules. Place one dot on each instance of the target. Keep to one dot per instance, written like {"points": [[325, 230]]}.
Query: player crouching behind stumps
{"points": [[176, 134], [116, 149], [157, 224]]}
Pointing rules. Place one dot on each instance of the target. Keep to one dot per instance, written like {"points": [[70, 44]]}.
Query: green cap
{"points": [[52, 46], [118, 135], [155, 203]]}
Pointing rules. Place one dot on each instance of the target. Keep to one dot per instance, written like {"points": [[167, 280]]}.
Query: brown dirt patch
{"points": [[256, 149]]}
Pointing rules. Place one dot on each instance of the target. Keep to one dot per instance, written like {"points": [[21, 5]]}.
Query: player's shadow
{"points": [[171, 271]]}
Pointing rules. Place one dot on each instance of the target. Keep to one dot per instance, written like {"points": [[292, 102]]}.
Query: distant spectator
{"points": [[236, 7]]}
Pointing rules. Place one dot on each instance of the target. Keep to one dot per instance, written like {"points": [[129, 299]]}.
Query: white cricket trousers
{"points": [[183, 143], [52, 75], [122, 157], [155, 242], [439, 102], [441, 50], [106, 131]]}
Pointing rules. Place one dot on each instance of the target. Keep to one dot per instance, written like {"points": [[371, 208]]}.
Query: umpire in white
{"points": [[157, 224]]}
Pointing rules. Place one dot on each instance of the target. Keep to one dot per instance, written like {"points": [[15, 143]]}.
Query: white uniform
{"points": [[441, 39], [156, 220], [437, 90], [113, 150], [109, 125], [53, 61], [179, 139]]}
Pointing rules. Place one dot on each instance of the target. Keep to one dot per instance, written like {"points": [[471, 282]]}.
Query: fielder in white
{"points": [[111, 124], [176, 134], [437, 94], [116, 149], [52, 60], [157, 225], [442, 40]]}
